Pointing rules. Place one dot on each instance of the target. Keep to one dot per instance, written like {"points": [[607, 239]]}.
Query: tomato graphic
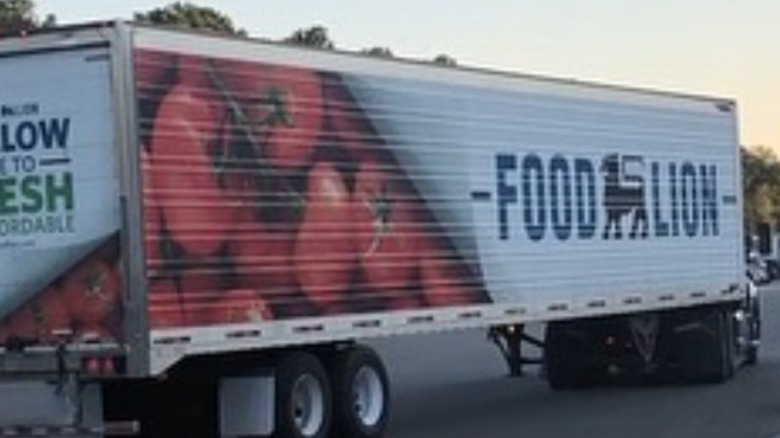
{"points": [[154, 239], [263, 253], [446, 279], [154, 72], [91, 292], [296, 100], [188, 133], [386, 234], [241, 306], [324, 250], [165, 307], [153, 69], [52, 312], [196, 297], [202, 287], [280, 110], [152, 215], [22, 324], [350, 126]]}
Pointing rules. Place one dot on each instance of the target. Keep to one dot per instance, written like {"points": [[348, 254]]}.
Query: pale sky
{"points": [[726, 48]]}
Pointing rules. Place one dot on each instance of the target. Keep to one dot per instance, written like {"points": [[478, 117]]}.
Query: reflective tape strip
{"points": [[129, 428]]}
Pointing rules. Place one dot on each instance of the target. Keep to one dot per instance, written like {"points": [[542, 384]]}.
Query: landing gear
{"points": [[509, 340]]}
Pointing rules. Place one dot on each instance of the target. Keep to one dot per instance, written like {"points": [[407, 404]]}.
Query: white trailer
{"points": [[196, 231]]}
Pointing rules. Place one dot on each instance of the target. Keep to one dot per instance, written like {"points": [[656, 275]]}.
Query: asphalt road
{"points": [[454, 385]]}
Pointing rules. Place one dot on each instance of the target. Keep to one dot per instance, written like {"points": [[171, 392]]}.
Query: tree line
{"points": [[18, 17], [760, 164]]}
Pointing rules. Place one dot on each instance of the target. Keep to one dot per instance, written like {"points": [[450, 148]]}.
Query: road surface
{"points": [[453, 385]]}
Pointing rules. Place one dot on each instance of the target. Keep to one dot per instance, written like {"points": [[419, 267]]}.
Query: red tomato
{"points": [[196, 73], [386, 234], [324, 249], [154, 72], [241, 306], [22, 324], [91, 292], [201, 288], [263, 253], [153, 238], [43, 317], [295, 97], [152, 215], [165, 309], [183, 176], [446, 279], [282, 108], [54, 313], [199, 280], [350, 125]]}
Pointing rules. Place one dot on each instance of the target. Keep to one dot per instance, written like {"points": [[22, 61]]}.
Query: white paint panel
{"points": [[59, 194]]}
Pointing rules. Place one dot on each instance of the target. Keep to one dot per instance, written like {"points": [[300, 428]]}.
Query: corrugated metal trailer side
{"points": [[271, 205], [345, 196], [296, 200]]}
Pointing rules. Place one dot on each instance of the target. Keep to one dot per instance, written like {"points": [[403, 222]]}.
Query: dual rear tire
{"points": [[708, 354], [343, 393], [569, 361], [303, 400], [361, 393], [698, 344]]}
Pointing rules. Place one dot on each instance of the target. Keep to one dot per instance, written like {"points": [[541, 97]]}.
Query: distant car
{"points": [[757, 271], [773, 268]]}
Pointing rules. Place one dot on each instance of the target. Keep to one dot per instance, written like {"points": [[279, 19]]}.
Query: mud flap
{"points": [[49, 405]]}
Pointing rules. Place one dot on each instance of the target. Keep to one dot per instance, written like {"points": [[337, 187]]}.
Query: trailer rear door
{"points": [[59, 197]]}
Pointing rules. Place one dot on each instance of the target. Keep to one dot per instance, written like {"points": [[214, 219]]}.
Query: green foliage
{"points": [[190, 16], [314, 36], [761, 186], [379, 51], [445, 60], [18, 17]]}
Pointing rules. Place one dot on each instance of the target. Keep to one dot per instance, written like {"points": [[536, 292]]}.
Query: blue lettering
{"points": [[54, 132], [673, 193], [585, 177], [560, 178], [533, 174], [5, 136], [26, 136], [558, 192], [661, 226], [689, 201], [709, 196], [507, 194]]}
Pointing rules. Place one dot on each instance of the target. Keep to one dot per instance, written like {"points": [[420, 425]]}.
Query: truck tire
{"points": [[754, 331], [708, 353], [303, 397], [361, 393], [567, 359]]}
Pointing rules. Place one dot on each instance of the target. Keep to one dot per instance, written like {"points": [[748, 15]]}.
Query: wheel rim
{"points": [[368, 396], [308, 405]]}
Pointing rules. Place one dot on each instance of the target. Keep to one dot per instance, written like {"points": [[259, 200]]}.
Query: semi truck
{"points": [[198, 233]]}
